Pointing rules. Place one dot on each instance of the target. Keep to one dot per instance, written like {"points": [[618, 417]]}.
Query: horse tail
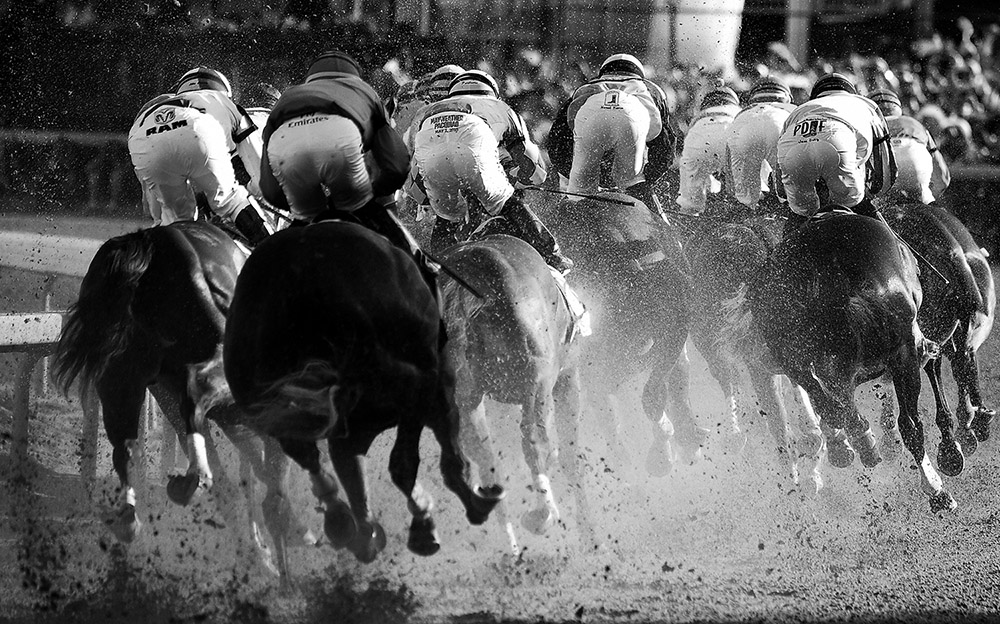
{"points": [[99, 325], [301, 405], [737, 318]]}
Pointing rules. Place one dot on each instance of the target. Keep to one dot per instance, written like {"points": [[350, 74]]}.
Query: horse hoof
{"points": [[889, 446], [982, 422], [181, 489], [658, 464], [840, 454], [864, 443], [423, 538], [942, 501], [339, 524], [369, 542], [538, 521], [967, 439], [125, 524], [483, 500], [951, 461]]}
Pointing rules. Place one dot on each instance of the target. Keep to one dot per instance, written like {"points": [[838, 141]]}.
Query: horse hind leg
{"points": [[768, 389], [539, 450], [567, 419], [810, 443], [950, 459], [883, 390], [338, 520], [973, 420], [121, 403], [670, 382]]}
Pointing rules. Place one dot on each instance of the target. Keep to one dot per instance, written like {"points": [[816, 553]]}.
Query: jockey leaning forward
{"points": [[464, 147], [184, 142], [616, 124], [838, 139], [703, 158], [330, 152], [923, 173], [752, 145], [416, 94]]}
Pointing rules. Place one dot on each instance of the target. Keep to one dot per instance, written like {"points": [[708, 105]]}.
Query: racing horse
{"points": [[150, 314], [835, 306], [723, 258], [631, 275], [957, 312], [512, 340], [334, 335]]}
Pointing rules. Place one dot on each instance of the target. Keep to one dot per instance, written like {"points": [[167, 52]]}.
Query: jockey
{"points": [[840, 139], [704, 155], [752, 146], [258, 101], [329, 150], [923, 172], [465, 146], [617, 119], [427, 89], [184, 143]]}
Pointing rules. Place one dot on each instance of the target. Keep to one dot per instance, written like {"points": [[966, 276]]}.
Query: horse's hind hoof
{"points": [[483, 500], [967, 438], [982, 421], [864, 443], [181, 489], [659, 463], [125, 524], [538, 521], [369, 542], [423, 539], [951, 461], [942, 501], [339, 524], [839, 453]]}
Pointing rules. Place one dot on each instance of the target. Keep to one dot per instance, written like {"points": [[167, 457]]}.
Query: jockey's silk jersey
{"points": [[234, 120], [648, 93], [518, 152], [909, 139], [752, 147], [703, 158]]}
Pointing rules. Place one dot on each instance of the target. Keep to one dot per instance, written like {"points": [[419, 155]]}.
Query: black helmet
{"points": [[832, 82], [623, 64], [327, 64], [719, 95], [886, 99], [770, 90]]}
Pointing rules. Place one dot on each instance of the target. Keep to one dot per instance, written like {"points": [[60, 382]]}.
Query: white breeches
{"points": [[821, 149], [915, 166], [614, 124]]}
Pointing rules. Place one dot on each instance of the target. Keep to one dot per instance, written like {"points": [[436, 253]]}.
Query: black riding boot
{"points": [[792, 223], [526, 226], [444, 234], [866, 208], [251, 225], [381, 219]]}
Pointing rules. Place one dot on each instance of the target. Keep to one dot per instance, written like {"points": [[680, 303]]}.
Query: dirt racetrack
{"points": [[716, 541]]}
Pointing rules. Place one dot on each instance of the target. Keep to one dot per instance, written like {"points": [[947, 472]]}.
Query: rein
{"points": [[608, 200], [913, 251]]}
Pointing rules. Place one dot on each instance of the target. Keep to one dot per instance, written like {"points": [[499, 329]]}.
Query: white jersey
{"points": [[752, 148], [703, 159]]}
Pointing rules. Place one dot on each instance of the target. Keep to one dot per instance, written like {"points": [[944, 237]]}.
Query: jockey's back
{"points": [[646, 92], [856, 111]]}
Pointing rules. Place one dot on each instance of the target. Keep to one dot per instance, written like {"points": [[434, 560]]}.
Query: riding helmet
{"points": [[331, 63], [832, 82], [886, 99], [203, 78], [474, 82], [719, 95], [441, 78], [770, 90], [623, 64]]}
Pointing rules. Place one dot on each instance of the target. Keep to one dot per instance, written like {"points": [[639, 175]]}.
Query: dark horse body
{"points": [[724, 257], [333, 335], [836, 305], [513, 342], [632, 277], [151, 314], [958, 308]]}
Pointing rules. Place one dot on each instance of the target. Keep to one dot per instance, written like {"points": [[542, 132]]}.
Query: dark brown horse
{"points": [[632, 276], [724, 257], [957, 312], [151, 314], [333, 335], [513, 341], [836, 305]]}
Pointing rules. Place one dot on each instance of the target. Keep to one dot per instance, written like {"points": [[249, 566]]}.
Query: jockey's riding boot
{"points": [[866, 208], [644, 193], [793, 221], [251, 225], [444, 234], [380, 218], [530, 229]]}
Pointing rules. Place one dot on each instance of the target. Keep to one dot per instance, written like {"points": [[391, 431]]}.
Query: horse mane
{"points": [[100, 323]]}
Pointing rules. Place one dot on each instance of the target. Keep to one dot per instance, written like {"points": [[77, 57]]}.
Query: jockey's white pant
{"points": [[609, 123], [177, 151], [821, 149], [703, 157], [753, 156], [456, 153], [317, 158], [915, 167]]}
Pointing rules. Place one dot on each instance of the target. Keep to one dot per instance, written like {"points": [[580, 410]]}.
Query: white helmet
{"points": [[203, 78], [623, 64], [474, 82]]}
